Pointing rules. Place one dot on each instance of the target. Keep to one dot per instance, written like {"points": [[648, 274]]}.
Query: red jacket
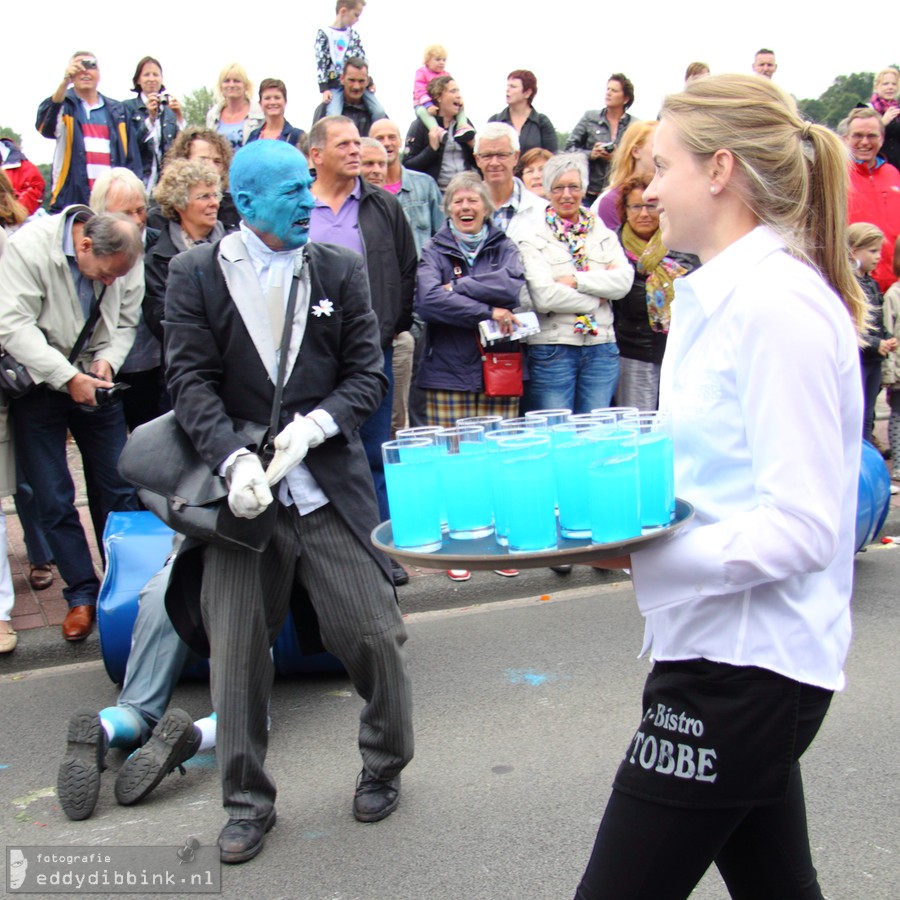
{"points": [[24, 176], [875, 198]]}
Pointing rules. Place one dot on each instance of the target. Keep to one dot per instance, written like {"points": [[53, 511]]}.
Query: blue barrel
{"points": [[874, 497], [137, 545]]}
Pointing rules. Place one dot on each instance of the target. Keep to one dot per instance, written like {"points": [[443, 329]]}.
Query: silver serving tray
{"points": [[486, 553]]}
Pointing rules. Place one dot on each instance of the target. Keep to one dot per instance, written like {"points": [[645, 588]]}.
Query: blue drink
{"points": [[466, 482], [614, 490], [429, 432], [411, 478], [525, 482], [467, 494], [655, 460], [571, 456]]}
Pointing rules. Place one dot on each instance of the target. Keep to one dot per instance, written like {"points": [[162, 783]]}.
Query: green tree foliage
{"points": [[845, 92], [196, 104], [12, 135]]}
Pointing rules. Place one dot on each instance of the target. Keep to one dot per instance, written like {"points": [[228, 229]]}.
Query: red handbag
{"points": [[502, 373]]}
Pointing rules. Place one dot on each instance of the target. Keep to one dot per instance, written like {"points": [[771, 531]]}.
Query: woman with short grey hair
{"points": [[188, 193], [574, 267]]}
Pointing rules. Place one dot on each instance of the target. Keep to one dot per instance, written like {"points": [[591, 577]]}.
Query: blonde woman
{"points": [[235, 114], [633, 159], [747, 609], [886, 101]]}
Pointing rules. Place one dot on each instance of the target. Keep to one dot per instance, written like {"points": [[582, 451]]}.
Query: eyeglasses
{"points": [[872, 136], [489, 156], [637, 207], [205, 198], [559, 189]]}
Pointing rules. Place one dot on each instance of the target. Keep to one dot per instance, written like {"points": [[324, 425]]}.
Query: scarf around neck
{"points": [[469, 244], [879, 104], [649, 258], [572, 234]]}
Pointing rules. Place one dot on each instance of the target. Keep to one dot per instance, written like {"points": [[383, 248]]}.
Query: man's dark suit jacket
{"points": [[215, 376]]}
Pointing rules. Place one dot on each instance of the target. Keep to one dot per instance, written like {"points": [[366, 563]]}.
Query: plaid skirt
{"points": [[445, 407]]}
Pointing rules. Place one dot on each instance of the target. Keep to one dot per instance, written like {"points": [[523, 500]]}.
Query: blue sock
{"points": [[122, 726]]}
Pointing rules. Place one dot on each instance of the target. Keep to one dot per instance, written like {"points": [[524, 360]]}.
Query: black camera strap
{"points": [[89, 326]]}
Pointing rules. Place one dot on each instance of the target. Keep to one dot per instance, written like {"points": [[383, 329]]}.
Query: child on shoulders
{"points": [[334, 44]]}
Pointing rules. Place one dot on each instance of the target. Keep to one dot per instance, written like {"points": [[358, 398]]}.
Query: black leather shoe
{"points": [[78, 781], [242, 839], [174, 741], [398, 573], [375, 799]]}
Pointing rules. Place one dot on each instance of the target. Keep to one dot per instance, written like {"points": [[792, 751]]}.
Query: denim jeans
{"points": [[567, 377], [42, 419], [375, 431]]}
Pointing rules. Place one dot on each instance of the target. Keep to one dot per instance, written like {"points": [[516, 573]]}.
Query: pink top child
{"points": [[435, 66]]}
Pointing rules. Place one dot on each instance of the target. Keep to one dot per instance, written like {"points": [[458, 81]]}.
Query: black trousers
{"points": [[653, 851]]}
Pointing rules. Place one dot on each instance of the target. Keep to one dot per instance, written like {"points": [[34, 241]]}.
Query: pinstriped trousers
{"points": [[245, 599]]}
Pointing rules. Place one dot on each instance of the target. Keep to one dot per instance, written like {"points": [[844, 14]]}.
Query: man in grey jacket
{"points": [[56, 273]]}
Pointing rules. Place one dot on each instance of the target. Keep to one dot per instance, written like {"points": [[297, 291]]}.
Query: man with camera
{"points": [[68, 317], [93, 133]]}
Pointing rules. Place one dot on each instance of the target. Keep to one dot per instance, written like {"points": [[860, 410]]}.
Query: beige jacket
{"points": [[609, 277], [40, 316]]}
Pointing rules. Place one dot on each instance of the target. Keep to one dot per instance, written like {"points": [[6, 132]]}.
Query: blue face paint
{"points": [[270, 182]]}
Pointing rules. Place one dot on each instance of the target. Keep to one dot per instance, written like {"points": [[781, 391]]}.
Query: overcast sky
{"points": [[571, 47]]}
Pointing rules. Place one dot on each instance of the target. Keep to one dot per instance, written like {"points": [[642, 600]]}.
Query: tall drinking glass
{"points": [[488, 423], [619, 413], [410, 474], [429, 432], [656, 464], [553, 416], [573, 451], [466, 482], [530, 421], [497, 491], [526, 484], [613, 484]]}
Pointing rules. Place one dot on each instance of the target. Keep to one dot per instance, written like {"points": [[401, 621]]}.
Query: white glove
{"points": [[292, 445], [249, 493]]}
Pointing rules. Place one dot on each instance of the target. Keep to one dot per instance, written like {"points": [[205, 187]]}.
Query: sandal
{"points": [[8, 640]]}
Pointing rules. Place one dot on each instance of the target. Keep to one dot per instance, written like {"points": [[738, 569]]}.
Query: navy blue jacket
{"points": [[71, 184], [137, 114], [451, 358], [288, 134]]}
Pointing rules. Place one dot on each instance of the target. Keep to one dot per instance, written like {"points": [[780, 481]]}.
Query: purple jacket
{"points": [[451, 360]]}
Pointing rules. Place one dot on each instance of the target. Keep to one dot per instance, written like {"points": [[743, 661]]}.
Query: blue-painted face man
{"points": [[270, 184]]}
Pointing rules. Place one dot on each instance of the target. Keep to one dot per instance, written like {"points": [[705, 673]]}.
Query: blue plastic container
{"points": [[137, 545], [874, 495]]}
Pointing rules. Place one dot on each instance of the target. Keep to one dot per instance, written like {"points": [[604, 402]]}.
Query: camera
{"points": [[163, 98], [610, 147], [106, 396], [88, 63]]}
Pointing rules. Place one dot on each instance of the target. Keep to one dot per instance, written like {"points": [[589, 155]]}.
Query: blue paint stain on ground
{"points": [[203, 760], [528, 676]]}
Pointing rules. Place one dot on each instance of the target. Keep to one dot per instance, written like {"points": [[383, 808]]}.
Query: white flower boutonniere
{"points": [[323, 308]]}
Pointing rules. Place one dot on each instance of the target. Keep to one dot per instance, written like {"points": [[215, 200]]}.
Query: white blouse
{"points": [[761, 375]]}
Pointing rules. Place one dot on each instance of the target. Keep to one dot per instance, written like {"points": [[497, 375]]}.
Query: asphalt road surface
{"points": [[523, 709]]}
